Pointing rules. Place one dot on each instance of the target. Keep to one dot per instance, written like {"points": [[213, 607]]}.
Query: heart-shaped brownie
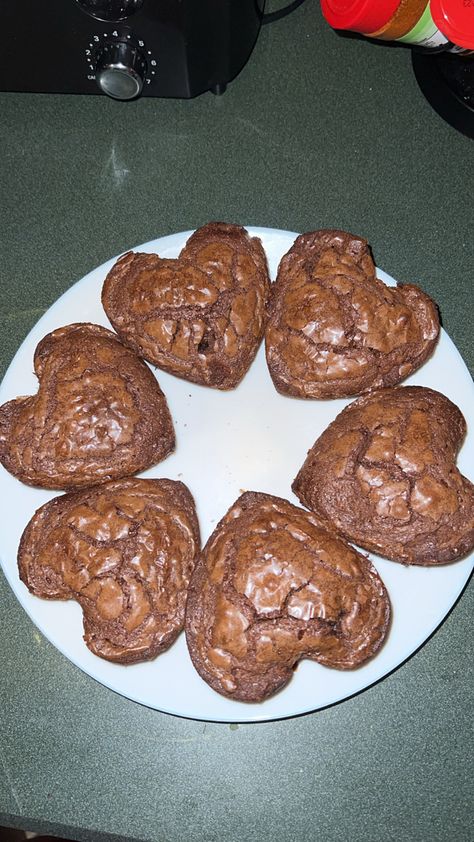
{"points": [[383, 475], [334, 329], [99, 413], [125, 550], [272, 587], [200, 316]]}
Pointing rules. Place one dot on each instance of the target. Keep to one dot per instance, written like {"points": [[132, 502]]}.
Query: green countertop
{"points": [[316, 131]]}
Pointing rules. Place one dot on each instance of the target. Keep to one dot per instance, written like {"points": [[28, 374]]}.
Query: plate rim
{"points": [[166, 242]]}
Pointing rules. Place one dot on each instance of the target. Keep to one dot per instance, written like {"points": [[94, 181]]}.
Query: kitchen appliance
{"points": [[126, 48], [447, 81]]}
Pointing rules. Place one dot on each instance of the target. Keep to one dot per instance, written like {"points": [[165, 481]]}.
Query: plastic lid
{"points": [[359, 15], [455, 19]]}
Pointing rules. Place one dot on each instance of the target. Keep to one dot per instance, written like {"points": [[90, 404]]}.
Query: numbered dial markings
{"points": [[96, 46]]}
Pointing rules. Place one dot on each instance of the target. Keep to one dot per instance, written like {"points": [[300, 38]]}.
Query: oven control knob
{"points": [[120, 69]]}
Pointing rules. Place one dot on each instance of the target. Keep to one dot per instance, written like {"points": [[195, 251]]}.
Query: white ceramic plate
{"points": [[227, 442]]}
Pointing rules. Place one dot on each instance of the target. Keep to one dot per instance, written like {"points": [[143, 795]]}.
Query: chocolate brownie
{"points": [[383, 474], [99, 413], [334, 329], [200, 316], [125, 551], [272, 587]]}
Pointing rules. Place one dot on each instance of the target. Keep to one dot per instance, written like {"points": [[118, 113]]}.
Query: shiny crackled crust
{"points": [[272, 587], [200, 316], [99, 413], [334, 329], [125, 551], [383, 474]]}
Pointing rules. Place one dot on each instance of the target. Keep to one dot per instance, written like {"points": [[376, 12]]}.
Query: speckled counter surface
{"points": [[317, 131]]}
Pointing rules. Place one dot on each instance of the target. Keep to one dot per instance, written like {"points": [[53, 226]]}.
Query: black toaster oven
{"points": [[126, 48]]}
